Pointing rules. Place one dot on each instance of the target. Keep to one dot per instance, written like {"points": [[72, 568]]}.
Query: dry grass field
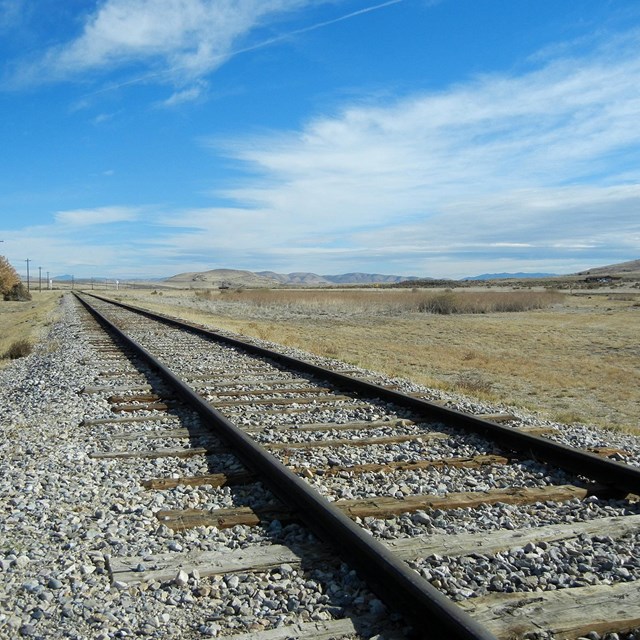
{"points": [[25, 321], [570, 358]]}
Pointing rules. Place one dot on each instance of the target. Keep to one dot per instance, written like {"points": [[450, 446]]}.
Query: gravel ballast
{"points": [[64, 514]]}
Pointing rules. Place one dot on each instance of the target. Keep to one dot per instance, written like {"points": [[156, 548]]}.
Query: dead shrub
{"points": [[473, 382], [17, 293], [18, 349], [442, 303], [488, 302]]}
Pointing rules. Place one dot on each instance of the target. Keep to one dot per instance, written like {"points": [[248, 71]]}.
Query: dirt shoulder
{"points": [[26, 320]]}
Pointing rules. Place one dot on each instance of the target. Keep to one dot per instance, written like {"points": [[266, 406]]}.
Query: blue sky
{"points": [[445, 138]]}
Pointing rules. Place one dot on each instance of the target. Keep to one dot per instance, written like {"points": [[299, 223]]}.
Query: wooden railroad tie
{"points": [[185, 452], [381, 507], [163, 418], [359, 442], [132, 397], [120, 389], [243, 477], [181, 432], [235, 382], [211, 374], [150, 406], [308, 408], [567, 613], [164, 567], [265, 392], [282, 401]]}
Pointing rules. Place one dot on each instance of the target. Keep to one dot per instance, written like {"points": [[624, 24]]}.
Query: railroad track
{"points": [[546, 536]]}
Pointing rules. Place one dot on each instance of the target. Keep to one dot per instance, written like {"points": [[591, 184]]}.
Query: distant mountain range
{"points": [[506, 276], [242, 278], [235, 277]]}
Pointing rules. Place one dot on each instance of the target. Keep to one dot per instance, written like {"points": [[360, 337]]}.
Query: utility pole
{"points": [[40, 279], [28, 261], [73, 282], [48, 282]]}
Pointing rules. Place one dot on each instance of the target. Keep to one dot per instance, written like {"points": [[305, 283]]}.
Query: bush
{"points": [[473, 382], [8, 276], [489, 302], [443, 303], [18, 292], [19, 349]]}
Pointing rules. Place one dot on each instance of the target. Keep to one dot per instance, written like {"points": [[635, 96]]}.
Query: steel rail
{"points": [[622, 477], [431, 614]]}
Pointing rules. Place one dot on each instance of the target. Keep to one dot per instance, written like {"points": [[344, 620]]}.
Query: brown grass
{"points": [[18, 349], [25, 321], [576, 361], [387, 300]]}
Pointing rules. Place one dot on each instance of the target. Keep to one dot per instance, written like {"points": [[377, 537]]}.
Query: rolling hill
{"points": [[241, 278]]}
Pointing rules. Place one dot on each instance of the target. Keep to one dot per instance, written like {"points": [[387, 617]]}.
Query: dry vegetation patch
{"points": [[386, 300], [22, 324], [574, 359]]}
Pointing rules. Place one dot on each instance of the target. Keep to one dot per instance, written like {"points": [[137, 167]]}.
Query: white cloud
{"points": [[541, 161], [178, 41], [186, 95], [531, 172], [97, 216]]}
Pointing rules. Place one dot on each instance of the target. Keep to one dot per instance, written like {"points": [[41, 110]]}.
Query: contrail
{"points": [[259, 45], [313, 27]]}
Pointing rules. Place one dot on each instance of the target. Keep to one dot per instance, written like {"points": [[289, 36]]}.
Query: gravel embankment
{"points": [[63, 515]]}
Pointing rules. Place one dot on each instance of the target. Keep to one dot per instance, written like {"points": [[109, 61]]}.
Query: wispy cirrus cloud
{"points": [[171, 42], [547, 158], [538, 170], [98, 216], [166, 41]]}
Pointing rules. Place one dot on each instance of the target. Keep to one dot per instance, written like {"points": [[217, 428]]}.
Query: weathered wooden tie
{"points": [[379, 507], [162, 419], [182, 432], [235, 478], [360, 442], [491, 542], [309, 408], [132, 397], [231, 478], [164, 567], [335, 426], [119, 389], [156, 453], [243, 381], [566, 613], [130, 408], [319, 400], [398, 466], [266, 392]]}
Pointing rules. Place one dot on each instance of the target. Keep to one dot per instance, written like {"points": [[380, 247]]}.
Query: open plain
{"points": [[575, 359]]}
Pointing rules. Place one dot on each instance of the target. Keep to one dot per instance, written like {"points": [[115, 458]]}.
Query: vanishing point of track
{"points": [[238, 402]]}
